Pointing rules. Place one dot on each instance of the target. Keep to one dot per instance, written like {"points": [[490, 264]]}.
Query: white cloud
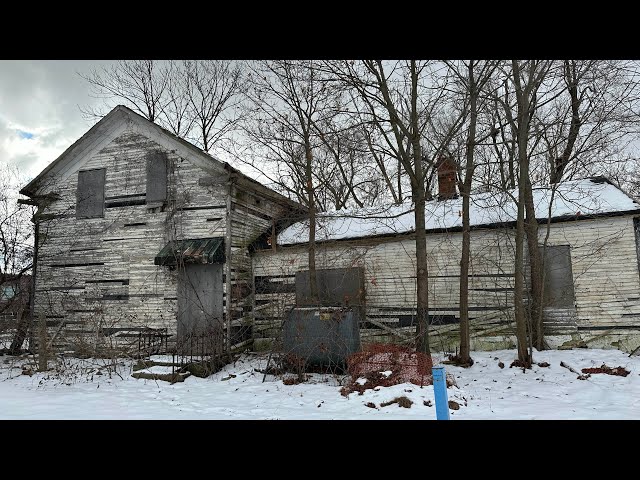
{"points": [[41, 98]]}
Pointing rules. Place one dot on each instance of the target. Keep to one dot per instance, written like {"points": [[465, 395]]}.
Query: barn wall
{"points": [[606, 279], [389, 267], [608, 299]]}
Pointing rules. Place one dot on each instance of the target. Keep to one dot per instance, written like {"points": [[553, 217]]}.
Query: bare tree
{"points": [[212, 89], [527, 78], [195, 99], [139, 83], [175, 109], [397, 99], [290, 104], [472, 76], [16, 246]]}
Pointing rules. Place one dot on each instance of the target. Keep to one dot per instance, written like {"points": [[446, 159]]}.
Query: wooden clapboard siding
{"points": [[113, 257], [389, 266], [606, 279], [605, 271], [99, 273]]}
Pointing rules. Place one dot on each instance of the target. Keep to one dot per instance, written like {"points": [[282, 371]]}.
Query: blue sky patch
{"points": [[24, 134]]}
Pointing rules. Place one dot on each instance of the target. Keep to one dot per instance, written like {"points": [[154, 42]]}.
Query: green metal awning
{"points": [[193, 250]]}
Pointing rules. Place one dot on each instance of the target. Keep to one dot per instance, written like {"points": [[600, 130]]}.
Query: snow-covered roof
{"points": [[569, 199]]}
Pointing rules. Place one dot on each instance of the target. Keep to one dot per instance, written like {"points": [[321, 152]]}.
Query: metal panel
{"points": [[157, 177], [558, 287], [200, 309], [322, 336], [336, 286], [197, 250], [90, 193]]}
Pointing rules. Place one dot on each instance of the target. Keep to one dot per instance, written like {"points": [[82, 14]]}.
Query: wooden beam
{"points": [[228, 262]]}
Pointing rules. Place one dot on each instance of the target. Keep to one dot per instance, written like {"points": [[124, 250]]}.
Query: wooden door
{"points": [[200, 309]]}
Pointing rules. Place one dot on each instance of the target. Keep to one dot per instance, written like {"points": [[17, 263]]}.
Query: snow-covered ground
{"points": [[484, 391]]}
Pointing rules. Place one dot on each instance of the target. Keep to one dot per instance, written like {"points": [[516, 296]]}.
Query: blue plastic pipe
{"points": [[440, 393]]}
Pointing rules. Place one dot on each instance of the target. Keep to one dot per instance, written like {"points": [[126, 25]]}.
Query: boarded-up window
{"points": [[558, 281], [636, 228], [156, 177], [336, 286], [90, 195]]}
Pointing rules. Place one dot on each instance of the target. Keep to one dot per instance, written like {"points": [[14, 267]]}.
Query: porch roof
{"points": [[192, 250]]}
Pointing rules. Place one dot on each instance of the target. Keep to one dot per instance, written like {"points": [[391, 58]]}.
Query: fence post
{"points": [[440, 393]]}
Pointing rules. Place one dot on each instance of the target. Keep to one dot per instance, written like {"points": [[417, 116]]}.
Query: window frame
{"points": [[104, 181]]}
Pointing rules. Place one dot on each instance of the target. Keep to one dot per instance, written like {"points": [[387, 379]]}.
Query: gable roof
{"points": [[571, 200], [121, 118]]}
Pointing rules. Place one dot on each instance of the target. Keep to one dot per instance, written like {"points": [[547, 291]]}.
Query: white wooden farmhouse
{"points": [[139, 231]]}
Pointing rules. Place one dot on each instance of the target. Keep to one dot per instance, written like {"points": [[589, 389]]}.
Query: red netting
{"points": [[384, 364]]}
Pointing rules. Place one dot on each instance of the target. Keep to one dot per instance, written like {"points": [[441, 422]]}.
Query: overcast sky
{"points": [[39, 114]]}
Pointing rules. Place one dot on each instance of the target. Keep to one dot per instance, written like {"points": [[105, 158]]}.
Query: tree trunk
{"points": [[535, 264], [21, 333], [465, 191], [422, 274], [419, 198], [521, 320], [465, 348], [523, 159], [313, 281]]}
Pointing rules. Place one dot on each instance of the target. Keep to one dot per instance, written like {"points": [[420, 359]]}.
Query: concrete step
{"points": [[165, 377]]}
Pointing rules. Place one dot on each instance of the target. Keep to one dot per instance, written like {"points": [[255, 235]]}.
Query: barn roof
{"points": [[570, 200]]}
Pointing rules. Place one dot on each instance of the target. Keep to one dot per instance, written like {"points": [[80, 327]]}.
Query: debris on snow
{"points": [[580, 376], [402, 401], [619, 371]]}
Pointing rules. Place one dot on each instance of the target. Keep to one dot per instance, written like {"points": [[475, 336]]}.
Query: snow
{"points": [[571, 198], [159, 370], [484, 391]]}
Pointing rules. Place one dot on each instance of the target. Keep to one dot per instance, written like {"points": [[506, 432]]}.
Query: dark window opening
{"points": [[156, 179], [558, 281], [90, 194]]}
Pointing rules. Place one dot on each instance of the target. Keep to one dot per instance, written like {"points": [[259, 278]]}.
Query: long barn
{"points": [[592, 278]]}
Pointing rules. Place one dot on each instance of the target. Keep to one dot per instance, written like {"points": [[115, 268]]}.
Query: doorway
{"points": [[200, 310]]}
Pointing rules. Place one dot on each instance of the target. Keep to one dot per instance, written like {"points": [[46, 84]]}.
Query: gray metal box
{"points": [[322, 336]]}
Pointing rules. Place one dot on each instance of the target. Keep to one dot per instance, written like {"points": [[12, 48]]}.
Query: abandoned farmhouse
{"points": [[139, 230]]}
